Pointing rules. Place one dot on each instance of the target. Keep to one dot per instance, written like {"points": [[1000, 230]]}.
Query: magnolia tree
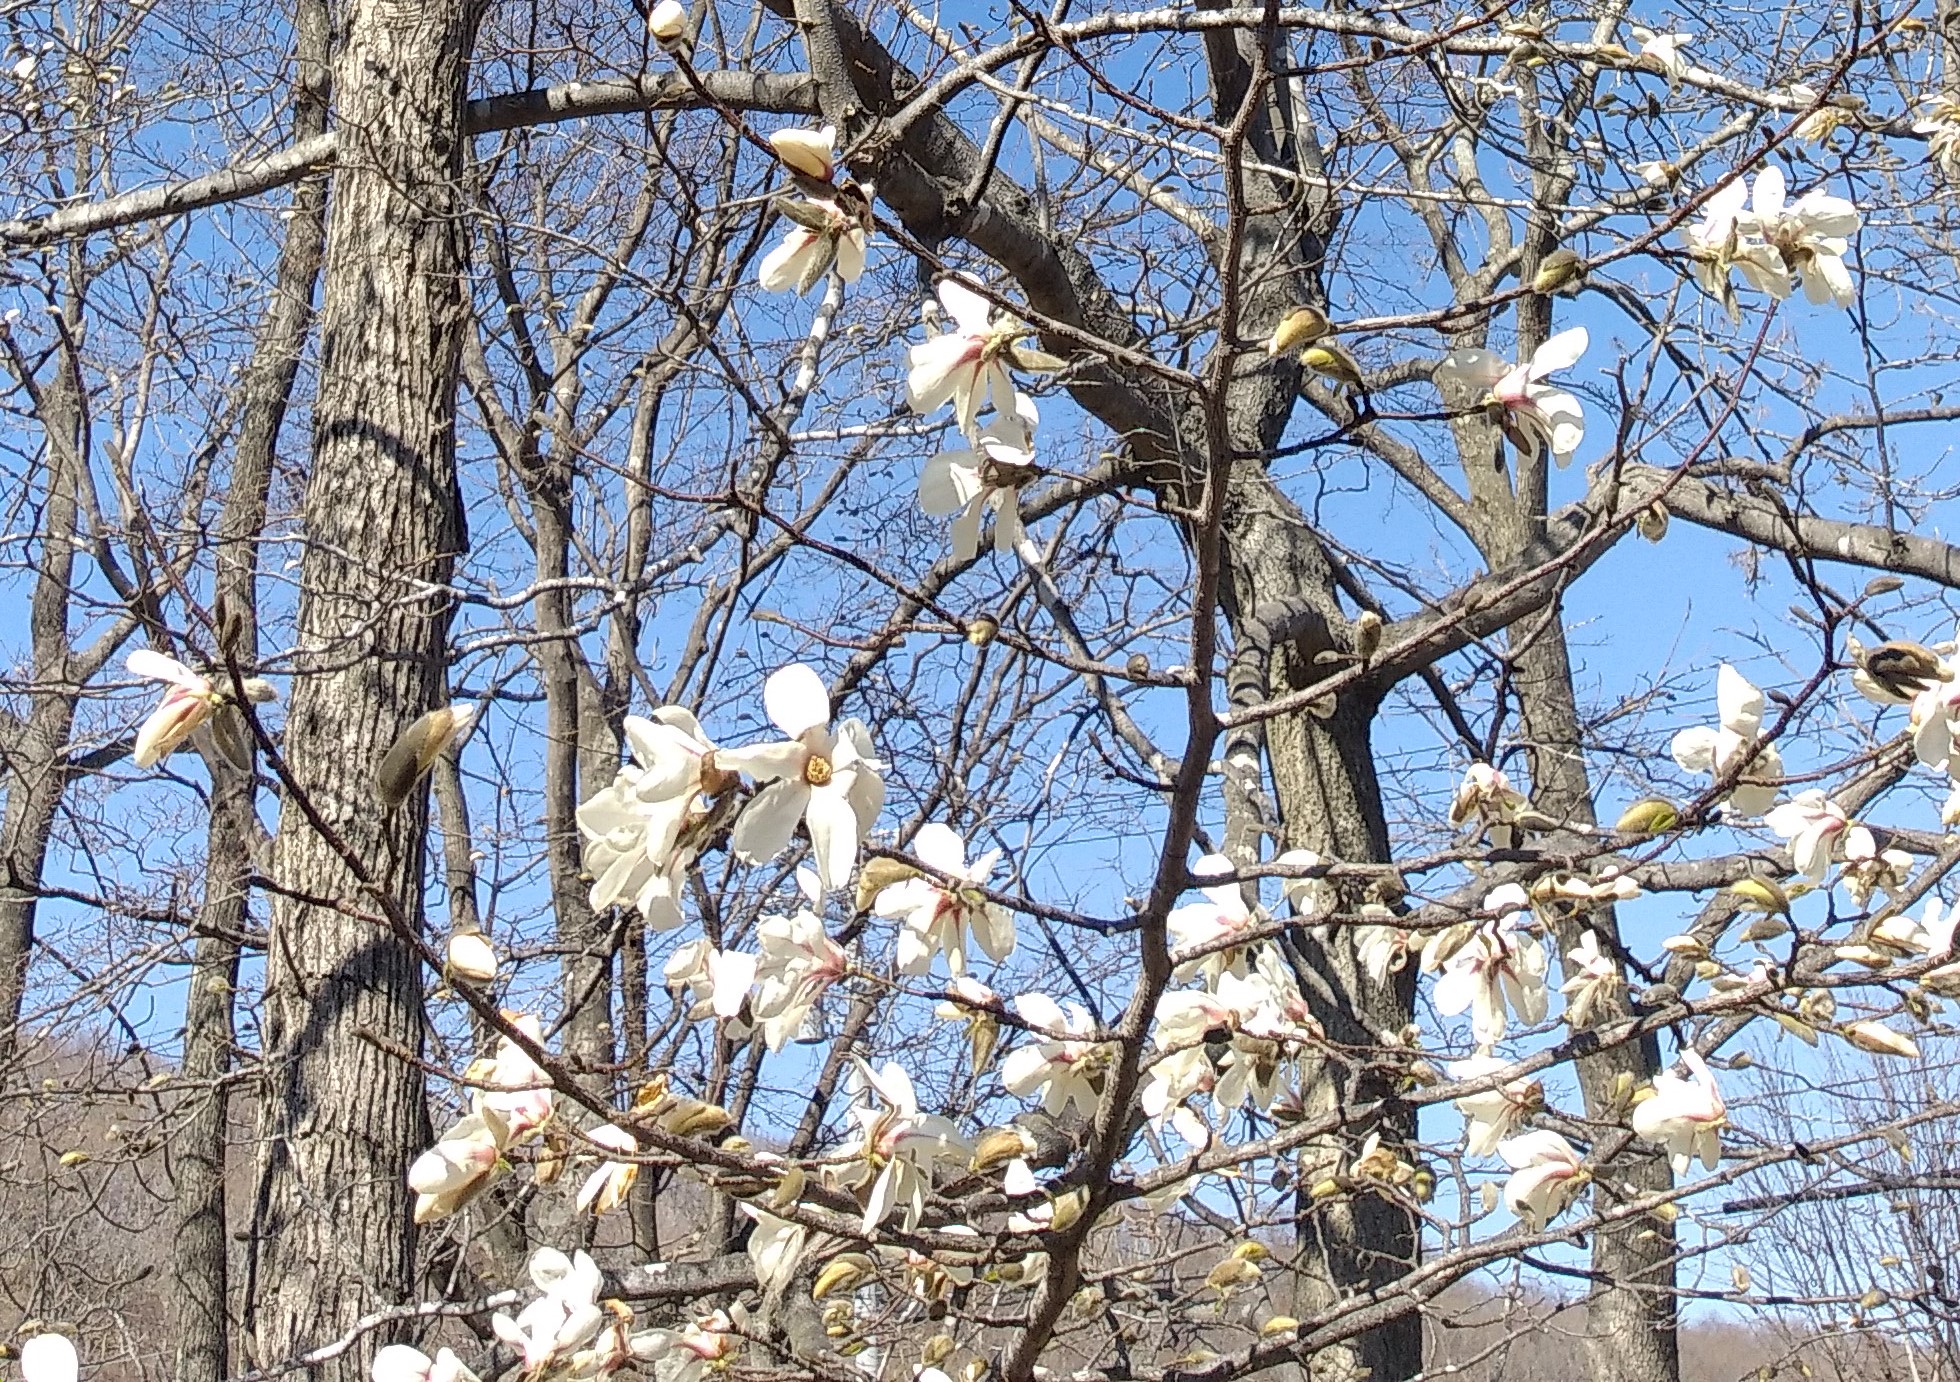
{"points": [[841, 691]]}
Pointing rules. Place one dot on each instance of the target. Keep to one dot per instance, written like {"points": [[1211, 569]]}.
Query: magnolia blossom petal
{"points": [[1559, 352], [834, 836], [763, 829], [796, 699]]}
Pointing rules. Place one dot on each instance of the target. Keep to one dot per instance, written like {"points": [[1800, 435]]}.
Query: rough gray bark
{"points": [[200, 1250], [343, 1112]]}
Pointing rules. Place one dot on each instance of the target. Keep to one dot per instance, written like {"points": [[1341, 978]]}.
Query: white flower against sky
{"points": [[989, 475], [1494, 1114], [1940, 123], [1486, 796], [799, 962], [824, 234], [1815, 826], [901, 1145], [718, 981], [938, 917], [1066, 1067], [188, 701], [1716, 750], [1500, 965], [967, 365], [1665, 50], [1221, 916], [1533, 414], [827, 779], [1591, 977], [1546, 1176], [1685, 1116]]}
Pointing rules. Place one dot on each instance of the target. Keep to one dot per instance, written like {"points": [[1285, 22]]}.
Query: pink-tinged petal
{"points": [[765, 762], [1559, 352], [168, 726], [796, 699], [833, 836], [941, 847], [971, 313], [1473, 369], [763, 829], [949, 482], [938, 367]]}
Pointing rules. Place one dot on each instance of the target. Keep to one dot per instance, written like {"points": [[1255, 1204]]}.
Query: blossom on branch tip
{"points": [[1486, 796], [826, 233], [1664, 52], [828, 779], [807, 153], [799, 963], [901, 1145], [1497, 964], [938, 916], [606, 1188], [1547, 1174], [1685, 1116], [1940, 123], [717, 980], [188, 701], [1592, 978], [1815, 826], [564, 1318], [1737, 737], [451, 1173], [1062, 1063], [968, 365], [989, 475], [1534, 415], [1494, 1114]]}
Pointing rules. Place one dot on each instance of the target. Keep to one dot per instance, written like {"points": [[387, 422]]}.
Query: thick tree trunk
{"points": [[1630, 1335], [35, 776], [344, 1112], [200, 1252]]}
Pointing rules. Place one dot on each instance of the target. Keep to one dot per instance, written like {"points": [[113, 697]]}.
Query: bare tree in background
{"points": [[1299, 295]]}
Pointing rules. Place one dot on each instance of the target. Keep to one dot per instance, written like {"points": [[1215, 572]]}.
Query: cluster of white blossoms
{"points": [[1772, 243], [969, 365]]}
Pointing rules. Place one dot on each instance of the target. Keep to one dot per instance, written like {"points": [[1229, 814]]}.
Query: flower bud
{"points": [[470, 957], [1649, 816], [416, 749], [667, 22], [1299, 328], [1879, 1039], [809, 152], [841, 1273], [1652, 523]]}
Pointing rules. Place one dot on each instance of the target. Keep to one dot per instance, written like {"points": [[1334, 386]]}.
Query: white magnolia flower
{"points": [[1941, 125], [469, 955], [1310, 897], [1546, 1176], [799, 962], [1533, 415], [641, 832], [1182, 1067], [451, 1173], [1221, 916], [1591, 978], [400, 1363], [1810, 235], [1665, 50], [606, 1188], [1685, 1116], [717, 980], [1384, 948], [49, 1358], [828, 779], [939, 917], [1869, 869], [775, 1246], [807, 153], [519, 1091], [989, 475], [188, 701], [706, 1347], [1487, 797], [824, 234], [1717, 750], [1494, 1114], [967, 366], [560, 1321], [1499, 964], [1064, 1067], [901, 1145], [1815, 826]]}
